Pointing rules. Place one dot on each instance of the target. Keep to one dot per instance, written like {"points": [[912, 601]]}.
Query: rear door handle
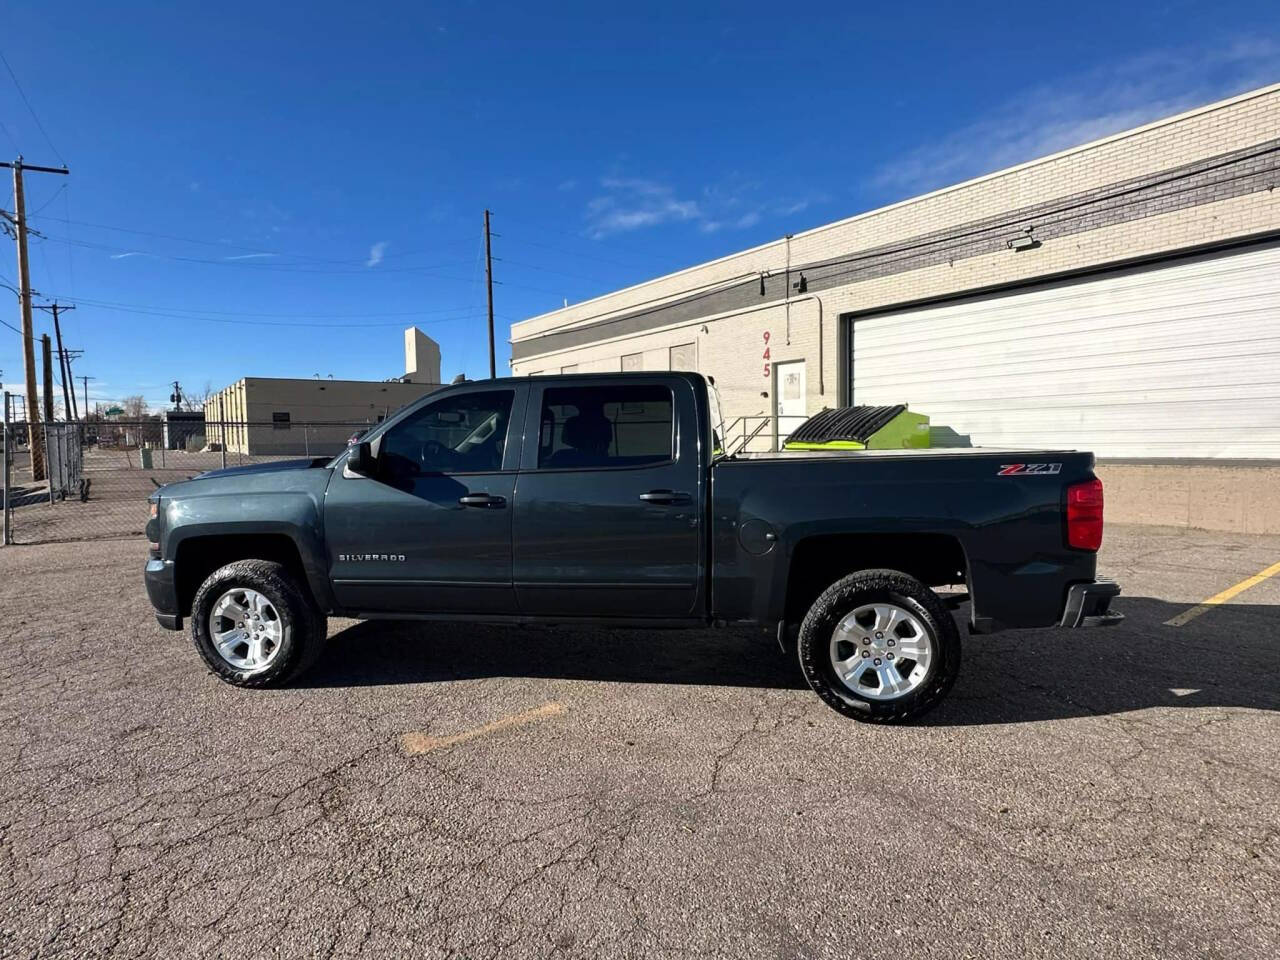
{"points": [[664, 496], [482, 500]]}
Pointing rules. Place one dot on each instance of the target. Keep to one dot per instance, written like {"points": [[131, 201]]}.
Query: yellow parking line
{"points": [[415, 743], [1189, 615]]}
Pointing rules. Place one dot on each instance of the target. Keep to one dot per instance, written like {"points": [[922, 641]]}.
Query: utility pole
{"points": [[71, 381], [46, 356], [24, 295], [64, 362], [86, 393], [488, 279]]}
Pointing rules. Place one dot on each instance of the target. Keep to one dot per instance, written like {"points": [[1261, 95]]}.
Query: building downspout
{"points": [[787, 292]]}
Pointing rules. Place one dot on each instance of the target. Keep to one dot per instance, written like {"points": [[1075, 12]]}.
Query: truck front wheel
{"points": [[255, 625], [879, 646]]}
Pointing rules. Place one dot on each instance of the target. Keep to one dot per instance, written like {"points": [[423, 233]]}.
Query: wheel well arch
{"points": [[935, 559], [197, 557]]}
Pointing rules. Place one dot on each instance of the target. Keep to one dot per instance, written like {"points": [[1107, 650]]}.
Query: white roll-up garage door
{"points": [[1179, 360]]}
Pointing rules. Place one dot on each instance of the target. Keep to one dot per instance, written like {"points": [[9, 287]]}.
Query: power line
{"points": [[12, 138], [13, 328], [121, 253], [232, 246], [271, 323], [22, 94], [49, 201], [292, 268], [179, 311]]}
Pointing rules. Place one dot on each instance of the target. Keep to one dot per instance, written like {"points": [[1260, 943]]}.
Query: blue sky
{"points": [[278, 189]]}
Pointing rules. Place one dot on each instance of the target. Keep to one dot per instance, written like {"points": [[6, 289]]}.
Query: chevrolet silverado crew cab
{"points": [[607, 499]]}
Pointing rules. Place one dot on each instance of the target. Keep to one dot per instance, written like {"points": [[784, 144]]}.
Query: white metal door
{"points": [[789, 397], [1180, 359]]}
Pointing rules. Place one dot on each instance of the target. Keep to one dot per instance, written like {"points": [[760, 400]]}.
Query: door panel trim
{"points": [[602, 584], [423, 583]]}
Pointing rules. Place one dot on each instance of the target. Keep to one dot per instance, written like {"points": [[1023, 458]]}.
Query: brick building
{"points": [[1122, 296]]}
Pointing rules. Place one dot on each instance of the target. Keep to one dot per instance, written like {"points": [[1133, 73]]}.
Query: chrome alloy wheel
{"points": [[246, 629], [881, 651]]}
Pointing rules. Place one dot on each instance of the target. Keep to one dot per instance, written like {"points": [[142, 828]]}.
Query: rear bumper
{"points": [[1089, 605], [162, 590]]}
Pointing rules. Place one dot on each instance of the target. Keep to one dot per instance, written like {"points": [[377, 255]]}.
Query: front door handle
{"points": [[664, 496], [482, 500]]}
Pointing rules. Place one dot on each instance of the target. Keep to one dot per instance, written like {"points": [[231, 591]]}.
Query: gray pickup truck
{"points": [[607, 499]]}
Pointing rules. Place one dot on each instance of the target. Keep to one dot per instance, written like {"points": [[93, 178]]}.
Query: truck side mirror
{"points": [[361, 460]]}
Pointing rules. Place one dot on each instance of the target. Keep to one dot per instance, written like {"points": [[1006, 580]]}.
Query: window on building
{"points": [[280, 420], [615, 426], [569, 368], [460, 434], [684, 357], [632, 362]]}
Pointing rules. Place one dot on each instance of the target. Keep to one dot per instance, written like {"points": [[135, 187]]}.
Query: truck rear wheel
{"points": [[255, 625], [879, 646]]}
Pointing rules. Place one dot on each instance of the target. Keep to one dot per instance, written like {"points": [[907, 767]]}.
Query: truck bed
{"points": [[1004, 509]]}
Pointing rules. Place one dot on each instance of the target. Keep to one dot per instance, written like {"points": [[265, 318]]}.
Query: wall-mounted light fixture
{"points": [[801, 285], [1025, 242]]}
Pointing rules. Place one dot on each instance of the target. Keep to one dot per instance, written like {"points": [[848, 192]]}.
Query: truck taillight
{"points": [[1084, 515]]}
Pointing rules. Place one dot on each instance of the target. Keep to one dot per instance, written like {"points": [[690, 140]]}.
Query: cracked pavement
{"points": [[1098, 793]]}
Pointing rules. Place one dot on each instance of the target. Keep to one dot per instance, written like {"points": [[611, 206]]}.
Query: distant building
{"points": [[286, 416], [180, 426]]}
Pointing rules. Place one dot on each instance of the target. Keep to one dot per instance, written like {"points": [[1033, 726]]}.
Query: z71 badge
{"points": [[1022, 469]]}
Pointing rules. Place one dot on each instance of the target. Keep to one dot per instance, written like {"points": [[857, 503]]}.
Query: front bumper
{"points": [[1089, 605], [162, 589]]}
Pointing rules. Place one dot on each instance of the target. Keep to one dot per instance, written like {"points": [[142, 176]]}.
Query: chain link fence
{"points": [[100, 473]]}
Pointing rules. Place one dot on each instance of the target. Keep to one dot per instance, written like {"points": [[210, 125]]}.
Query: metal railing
{"points": [[753, 433]]}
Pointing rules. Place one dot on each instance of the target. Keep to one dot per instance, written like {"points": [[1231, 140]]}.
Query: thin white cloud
{"points": [[1048, 118], [131, 253], [252, 256], [736, 203], [375, 253], [566, 185], [631, 203]]}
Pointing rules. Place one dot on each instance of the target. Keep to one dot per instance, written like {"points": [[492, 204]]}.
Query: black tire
{"points": [[304, 625], [846, 595]]}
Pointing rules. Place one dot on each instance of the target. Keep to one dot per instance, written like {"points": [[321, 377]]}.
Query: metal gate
{"points": [[64, 460]]}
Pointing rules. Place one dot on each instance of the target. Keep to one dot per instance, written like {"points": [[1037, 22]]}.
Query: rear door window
{"points": [[624, 425]]}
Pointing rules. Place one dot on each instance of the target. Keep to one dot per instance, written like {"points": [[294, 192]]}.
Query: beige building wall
{"points": [[730, 345], [421, 357], [267, 416]]}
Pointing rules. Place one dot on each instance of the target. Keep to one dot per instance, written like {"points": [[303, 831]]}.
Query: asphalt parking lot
{"points": [[472, 791]]}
